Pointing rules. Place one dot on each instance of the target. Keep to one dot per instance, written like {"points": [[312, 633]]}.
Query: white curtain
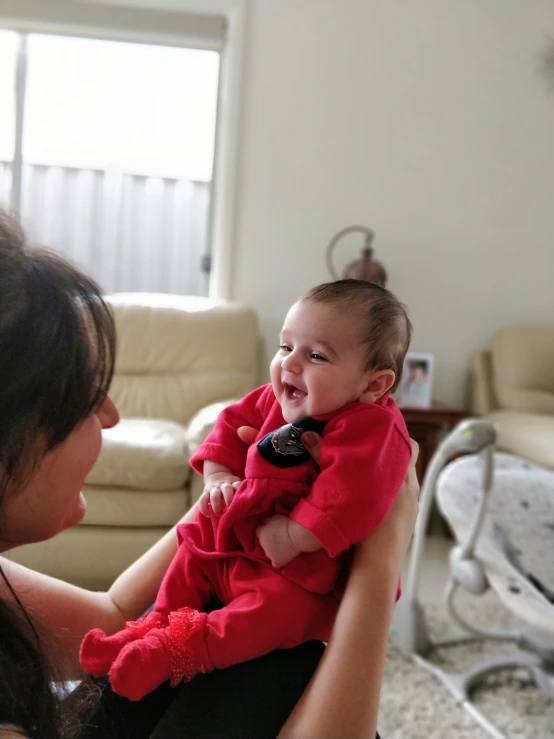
{"points": [[129, 232]]}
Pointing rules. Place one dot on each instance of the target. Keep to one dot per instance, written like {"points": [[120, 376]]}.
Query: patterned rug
{"points": [[414, 705]]}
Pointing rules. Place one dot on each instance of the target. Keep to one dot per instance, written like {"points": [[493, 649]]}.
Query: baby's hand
{"points": [[276, 542], [219, 490]]}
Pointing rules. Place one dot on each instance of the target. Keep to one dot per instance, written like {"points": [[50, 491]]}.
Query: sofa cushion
{"points": [[89, 556], [202, 423], [111, 506], [144, 454], [529, 435], [177, 354]]}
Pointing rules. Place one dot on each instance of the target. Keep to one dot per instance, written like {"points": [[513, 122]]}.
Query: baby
{"points": [[278, 555]]}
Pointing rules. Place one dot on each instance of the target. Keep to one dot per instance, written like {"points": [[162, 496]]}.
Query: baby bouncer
{"points": [[501, 511]]}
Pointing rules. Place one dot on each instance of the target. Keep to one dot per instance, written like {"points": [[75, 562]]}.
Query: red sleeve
{"points": [[223, 445], [364, 458]]}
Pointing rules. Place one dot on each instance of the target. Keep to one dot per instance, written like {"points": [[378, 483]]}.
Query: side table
{"points": [[426, 425]]}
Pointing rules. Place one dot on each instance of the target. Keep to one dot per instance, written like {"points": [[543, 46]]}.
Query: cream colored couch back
{"points": [[523, 368], [176, 354]]}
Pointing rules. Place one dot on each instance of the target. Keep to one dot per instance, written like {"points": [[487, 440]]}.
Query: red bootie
{"points": [[176, 653], [141, 666], [98, 651]]}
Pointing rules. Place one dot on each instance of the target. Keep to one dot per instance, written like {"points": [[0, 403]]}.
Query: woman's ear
{"points": [[379, 383]]}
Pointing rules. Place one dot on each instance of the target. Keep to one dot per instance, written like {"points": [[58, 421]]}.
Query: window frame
{"points": [[33, 16]]}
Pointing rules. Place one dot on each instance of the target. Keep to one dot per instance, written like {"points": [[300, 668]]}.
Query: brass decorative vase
{"points": [[366, 268]]}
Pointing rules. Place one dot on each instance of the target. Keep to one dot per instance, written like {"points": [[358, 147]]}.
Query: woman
{"points": [[56, 362]]}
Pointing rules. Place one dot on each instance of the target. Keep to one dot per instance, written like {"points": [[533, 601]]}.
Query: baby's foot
{"points": [[142, 666], [98, 651]]}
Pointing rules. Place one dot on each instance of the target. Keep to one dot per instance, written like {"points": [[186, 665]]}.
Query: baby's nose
{"points": [[292, 363]]}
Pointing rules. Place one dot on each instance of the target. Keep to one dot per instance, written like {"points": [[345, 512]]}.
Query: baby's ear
{"points": [[380, 382]]}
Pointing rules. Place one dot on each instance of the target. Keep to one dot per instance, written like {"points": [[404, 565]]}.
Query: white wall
{"points": [[424, 119], [428, 122]]}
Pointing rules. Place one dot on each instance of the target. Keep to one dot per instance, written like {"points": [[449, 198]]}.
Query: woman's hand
{"points": [[392, 537], [310, 439]]}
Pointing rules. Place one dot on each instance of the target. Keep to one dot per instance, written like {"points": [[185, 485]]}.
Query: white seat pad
{"points": [[518, 533], [144, 454]]}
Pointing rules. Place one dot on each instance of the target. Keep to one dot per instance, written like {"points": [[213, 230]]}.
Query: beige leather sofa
{"points": [[179, 361], [513, 384]]}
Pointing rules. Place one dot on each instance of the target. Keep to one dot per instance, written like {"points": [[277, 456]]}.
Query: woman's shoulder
{"points": [[11, 731]]}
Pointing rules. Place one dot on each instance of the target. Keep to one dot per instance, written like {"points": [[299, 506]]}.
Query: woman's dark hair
{"points": [[386, 328], [57, 346]]}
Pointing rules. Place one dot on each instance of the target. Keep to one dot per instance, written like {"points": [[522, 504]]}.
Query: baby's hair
{"points": [[387, 330]]}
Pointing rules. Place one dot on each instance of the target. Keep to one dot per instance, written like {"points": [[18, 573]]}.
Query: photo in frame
{"points": [[416, 386]]}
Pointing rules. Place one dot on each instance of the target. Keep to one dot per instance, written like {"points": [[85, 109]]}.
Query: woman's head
{"points": [[57, 343]]}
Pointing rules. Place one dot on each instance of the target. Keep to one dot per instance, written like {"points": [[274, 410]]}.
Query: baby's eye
{"points": [[285, 348], [318, 357]]}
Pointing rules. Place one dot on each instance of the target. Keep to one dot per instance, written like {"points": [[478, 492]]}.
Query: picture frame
{"points": [[416, 386]]}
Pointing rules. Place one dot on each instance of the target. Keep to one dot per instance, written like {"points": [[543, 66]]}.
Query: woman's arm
{"points": [[68, 611], [136, 588], [342, 699]]}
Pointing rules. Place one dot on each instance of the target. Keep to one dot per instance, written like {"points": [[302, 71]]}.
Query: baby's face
{"points": [[319, 366]]}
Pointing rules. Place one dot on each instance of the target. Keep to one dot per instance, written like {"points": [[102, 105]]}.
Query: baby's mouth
{"points": [[293, 393]]}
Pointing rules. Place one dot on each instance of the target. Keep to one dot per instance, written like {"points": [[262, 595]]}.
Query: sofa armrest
{"points": [[202, 423], [483, 400]]}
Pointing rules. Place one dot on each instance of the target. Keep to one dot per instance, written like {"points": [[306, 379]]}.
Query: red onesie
{"points": [[364, 456]]}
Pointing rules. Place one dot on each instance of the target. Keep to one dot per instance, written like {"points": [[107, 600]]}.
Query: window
{"points": [[118, 149], [9, 42]]}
